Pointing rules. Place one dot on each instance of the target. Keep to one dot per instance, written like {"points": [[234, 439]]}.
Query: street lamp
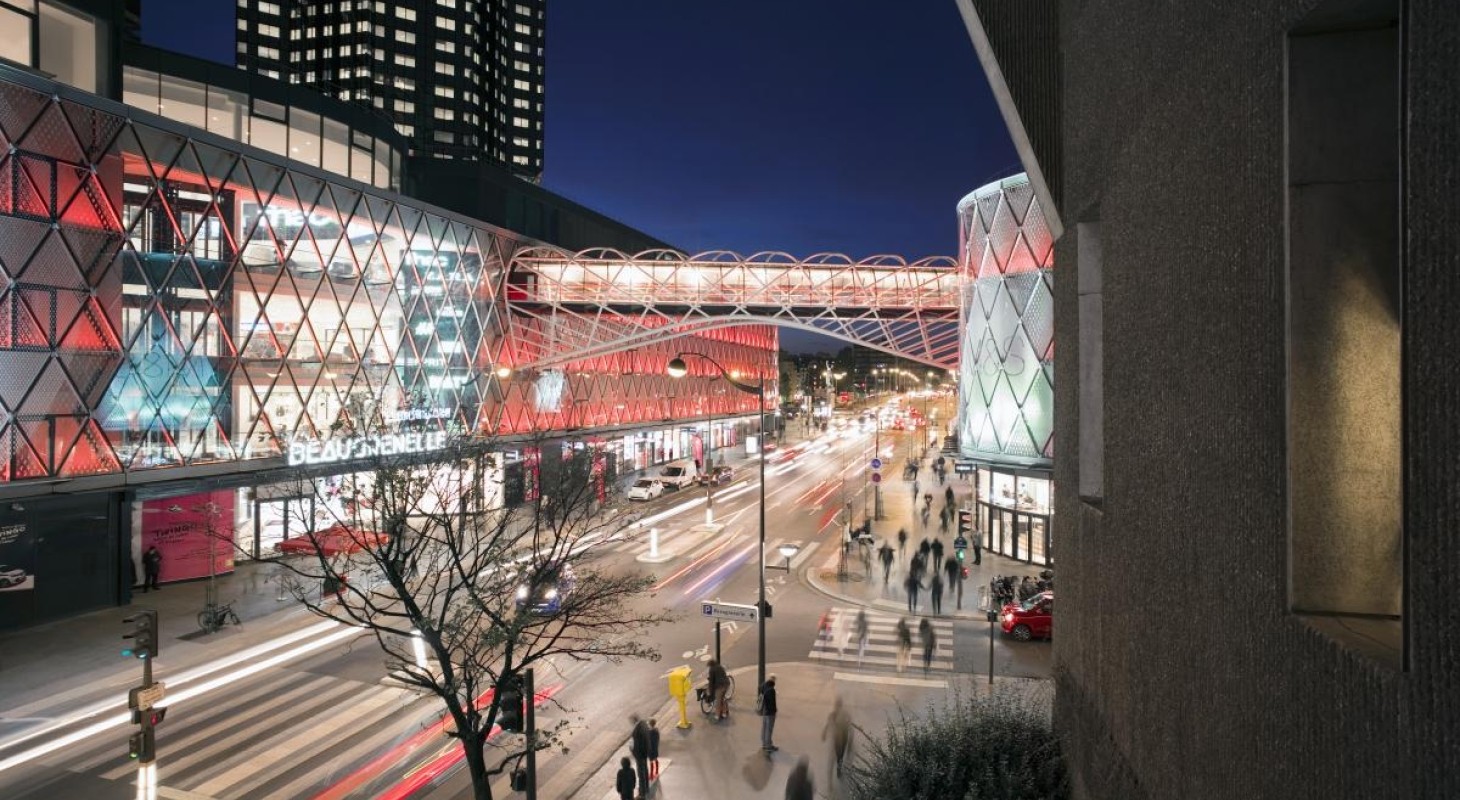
{"points": [[678, 369]]}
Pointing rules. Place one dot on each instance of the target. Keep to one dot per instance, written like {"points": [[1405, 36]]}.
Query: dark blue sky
{"points": [[797, 125]]}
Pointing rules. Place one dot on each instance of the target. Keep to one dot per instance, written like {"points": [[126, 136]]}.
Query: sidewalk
{"points": [[715, 760], [901, 512]]}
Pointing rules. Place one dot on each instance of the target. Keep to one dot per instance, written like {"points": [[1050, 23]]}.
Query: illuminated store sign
{"points": [[348, 449]]}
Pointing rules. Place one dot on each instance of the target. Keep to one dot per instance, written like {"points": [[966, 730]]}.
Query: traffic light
{"points": [[158, 714], [509, 704], [139, 747], [965, 522], [143, 635]]}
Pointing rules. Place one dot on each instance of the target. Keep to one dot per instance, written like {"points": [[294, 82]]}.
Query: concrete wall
{"points": [[1184, 671]]}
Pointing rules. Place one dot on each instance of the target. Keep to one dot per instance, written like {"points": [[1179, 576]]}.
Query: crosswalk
{"points": [[882, 643]]}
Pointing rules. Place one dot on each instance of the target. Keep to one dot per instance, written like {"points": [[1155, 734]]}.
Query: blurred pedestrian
{"points": [[935, 591], [929, 639], [625, 784], [904, 643], [653, 749], [843, 632], [639, 748], [901, 542], [885, 554], [912, 586], [937, 550], [862, 631], [798, 784], [839, 725], [948, 496], [954, 571], [151, 568]]}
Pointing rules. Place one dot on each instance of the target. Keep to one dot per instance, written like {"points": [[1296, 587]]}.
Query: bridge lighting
{"points": [[677, 368], [504, 372]]}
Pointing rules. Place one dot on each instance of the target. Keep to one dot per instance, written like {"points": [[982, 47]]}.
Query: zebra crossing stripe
{"points": [[882, 641]]}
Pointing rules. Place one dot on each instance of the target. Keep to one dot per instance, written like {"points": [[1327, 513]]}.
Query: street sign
{"points": [[963, 467], [145, 697], [876, 477], [960, 543], [735, 611], [876, 463]]}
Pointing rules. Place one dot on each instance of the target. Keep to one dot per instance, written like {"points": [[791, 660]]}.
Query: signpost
{"points": [[722, 611]]}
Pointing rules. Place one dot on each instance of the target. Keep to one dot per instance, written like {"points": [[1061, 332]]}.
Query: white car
{"points": [[645, 489]]}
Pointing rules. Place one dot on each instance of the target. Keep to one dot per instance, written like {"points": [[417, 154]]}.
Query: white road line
{"points": [[846, 676]]}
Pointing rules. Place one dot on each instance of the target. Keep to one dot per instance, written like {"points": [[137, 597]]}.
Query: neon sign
{"points": [[353, 447]]}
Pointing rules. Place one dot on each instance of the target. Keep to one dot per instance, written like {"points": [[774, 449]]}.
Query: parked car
{"points": [[332, 541], [717, 476], [645, 489], [11, 576], [679, 474], [554, 587], [1031, 619]]}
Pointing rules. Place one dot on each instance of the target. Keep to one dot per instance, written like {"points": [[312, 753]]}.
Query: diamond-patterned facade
{"points": [[1006, 362], [169, 299]]}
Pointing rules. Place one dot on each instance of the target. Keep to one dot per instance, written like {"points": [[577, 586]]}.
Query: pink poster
{"points": [[185, 528]]}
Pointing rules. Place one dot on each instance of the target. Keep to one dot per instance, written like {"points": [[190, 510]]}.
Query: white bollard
{"points": [[653, 542]]}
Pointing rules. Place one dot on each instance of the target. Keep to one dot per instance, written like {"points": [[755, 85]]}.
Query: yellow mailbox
{"points": [[680, 686]]}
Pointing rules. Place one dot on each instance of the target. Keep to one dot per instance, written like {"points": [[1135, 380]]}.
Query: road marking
{"points": [[850, 676]]}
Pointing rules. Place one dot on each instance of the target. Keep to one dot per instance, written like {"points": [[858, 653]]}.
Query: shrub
{"points": [[981, 747]]}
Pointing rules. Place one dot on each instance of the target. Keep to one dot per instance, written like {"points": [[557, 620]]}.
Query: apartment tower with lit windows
{"points": [[460, 79]]}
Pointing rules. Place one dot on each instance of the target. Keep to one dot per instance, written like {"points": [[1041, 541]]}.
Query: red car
{"points": [[332, 541], [1031, 619]]}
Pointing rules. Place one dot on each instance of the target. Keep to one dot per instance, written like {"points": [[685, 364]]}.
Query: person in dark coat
{"points": [[935, 591], [151, 568], [912, 585], [937, 550], [639, 747], [954, 571], [653, 749], [885, 553], [901, 541], [768, 714], [930, 643], [625, 784], [798, 783]]}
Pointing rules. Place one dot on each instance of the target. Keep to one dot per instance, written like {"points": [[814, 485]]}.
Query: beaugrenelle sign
{"points": [[348, 449]]}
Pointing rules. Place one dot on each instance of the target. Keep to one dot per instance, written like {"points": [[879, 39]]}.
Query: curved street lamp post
{"points": [[678, 369]]}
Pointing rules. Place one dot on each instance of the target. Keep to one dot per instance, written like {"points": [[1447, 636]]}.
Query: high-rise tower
{"points": [[462, 79]]}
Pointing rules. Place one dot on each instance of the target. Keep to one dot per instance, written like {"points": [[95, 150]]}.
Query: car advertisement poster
{"points": [[17, 552], [186, 530]]}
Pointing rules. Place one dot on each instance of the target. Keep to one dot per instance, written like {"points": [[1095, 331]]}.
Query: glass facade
{"points": [[1006, 366]]}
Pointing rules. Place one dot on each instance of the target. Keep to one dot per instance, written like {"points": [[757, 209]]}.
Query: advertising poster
{"points": [[17, 555], [186, 529]]}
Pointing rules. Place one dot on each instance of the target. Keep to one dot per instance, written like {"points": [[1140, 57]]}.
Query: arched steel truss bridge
{"points": [[571, 306]]}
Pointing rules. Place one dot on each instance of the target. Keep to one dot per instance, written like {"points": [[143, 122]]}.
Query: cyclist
{"points": [[719, 684]]}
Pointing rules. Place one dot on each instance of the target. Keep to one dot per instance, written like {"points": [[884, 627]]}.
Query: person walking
{"points": [[904, 643], [639, 749], [935, 591], [768, 714], [799, 785], [626, 782], [861, 628], [653, 749], [936, 548], [901, 543], [885, 554], [954, 571], [924, 548], [930, 643], [151, 568], [839, 725], [977, 547], [948, 497], [842, 632], [719, 686], [912, 585]]}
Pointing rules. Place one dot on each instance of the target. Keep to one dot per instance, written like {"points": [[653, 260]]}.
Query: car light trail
{"points": [[178, 697], [693, 589], [693, 564], [447, 759]]}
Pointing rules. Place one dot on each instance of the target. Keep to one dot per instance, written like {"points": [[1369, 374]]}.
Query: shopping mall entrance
{"points": [[1013, 512]]}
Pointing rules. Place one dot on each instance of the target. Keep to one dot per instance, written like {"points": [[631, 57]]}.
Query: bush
{"points": [[984, 747]]}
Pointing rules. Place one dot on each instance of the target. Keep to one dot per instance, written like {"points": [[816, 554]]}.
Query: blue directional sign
{"points": [[876, 463]]}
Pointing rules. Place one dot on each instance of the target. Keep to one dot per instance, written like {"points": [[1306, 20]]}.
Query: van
{"points": [[679, 474]]}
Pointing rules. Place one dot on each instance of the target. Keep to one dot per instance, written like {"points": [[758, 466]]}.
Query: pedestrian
{"points": [[843, 632], [935, 590], [625, 784], [948, 496], [862, 631], [839, 725], [937, 550], [719, 686], [885, 554], [977, 547], [904, 643], [928, 500], [901, 542], [639, 748], [653, 749], [923, 515], [798, 784], [930, 642], [151, 568], [943, 522], [768, 714], [916, 567], [912, 586]]}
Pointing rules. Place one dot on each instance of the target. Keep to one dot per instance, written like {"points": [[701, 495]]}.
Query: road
{"points": [[316, 715]]}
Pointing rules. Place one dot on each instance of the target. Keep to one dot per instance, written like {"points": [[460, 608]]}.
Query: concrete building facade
{"points": [[1255, 404]]}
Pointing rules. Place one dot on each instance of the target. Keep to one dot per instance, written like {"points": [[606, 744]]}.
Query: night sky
{"points": [[798, 125]]}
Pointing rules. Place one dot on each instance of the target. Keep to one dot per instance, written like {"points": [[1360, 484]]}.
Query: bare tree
{"points": [[430, 552]]}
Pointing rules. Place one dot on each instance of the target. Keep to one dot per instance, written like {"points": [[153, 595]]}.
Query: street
{"points": [[308, 710]]}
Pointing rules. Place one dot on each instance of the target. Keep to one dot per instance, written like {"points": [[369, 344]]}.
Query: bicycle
{"points": [[213, 617], [707, 697]]}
